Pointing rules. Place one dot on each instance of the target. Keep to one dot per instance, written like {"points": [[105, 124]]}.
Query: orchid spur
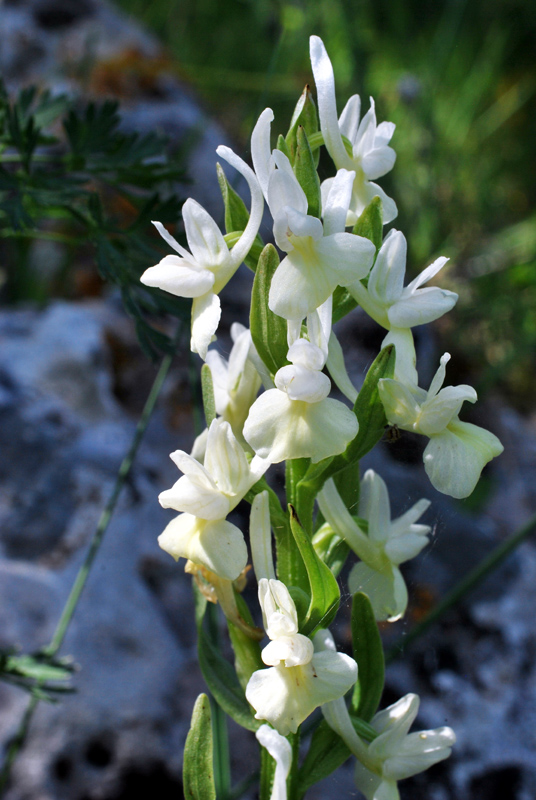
{"points": [[204, 272]]}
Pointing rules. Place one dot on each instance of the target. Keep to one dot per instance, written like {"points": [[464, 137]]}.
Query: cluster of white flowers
{"points": [[294, 418]]}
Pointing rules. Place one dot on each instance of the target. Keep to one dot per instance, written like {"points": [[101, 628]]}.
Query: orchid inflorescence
{"points": [[334, 257]]}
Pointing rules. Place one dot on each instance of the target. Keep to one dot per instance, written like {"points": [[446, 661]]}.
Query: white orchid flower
{"points": [[394, 754], [297, 419], [398, 308], [299, 679], [206, 495], [369, 155], [457, 451], [320, 255], [281, 751], [387, 544], [203, 272], [236, 382]]}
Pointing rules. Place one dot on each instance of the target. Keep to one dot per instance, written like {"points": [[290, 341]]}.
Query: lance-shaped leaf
{"points": [[219, 675], [306, 116], [282, 145], [268, 331], [368, 407], [236, 214], [369, 225], [198, 768], [368, 652], [305, 171], [323, 587]]}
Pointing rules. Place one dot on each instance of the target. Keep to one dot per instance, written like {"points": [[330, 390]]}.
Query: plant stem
{"points": [[466, 585], [82, 575], [222, 769]]}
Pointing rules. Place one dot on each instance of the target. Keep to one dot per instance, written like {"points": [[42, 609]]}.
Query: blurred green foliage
{"points": [[72, 180], [459, 80]]}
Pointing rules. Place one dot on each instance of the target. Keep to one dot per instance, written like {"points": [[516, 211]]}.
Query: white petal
{"points": [[336, 206], [386, 590], [217, 545], [384, 133], [440, 410], [399, 402], [195, 498], [278, 610], [349, 119], [401, 525], [278, 428], [454, 459], [419, 751], [261, 150], [341, 521], [304, 384], [302, 224], [374, 506], [293, 651], [386, 279], [365, 135], [327, 105], [260, 537], [392, 724], [226, 461], [319, 326], [206, 313], [403, 548], [243, 245], [204, 237], [337, 369], [422, 307], [300, 285], [179, 277], [439, 378], [426, 275], [370, 191], [173, 243], [347, 256], [281, 751], [220, 381], [378, 162]]}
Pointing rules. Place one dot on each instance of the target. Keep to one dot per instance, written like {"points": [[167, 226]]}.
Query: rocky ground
{"points": [[68, 406]]}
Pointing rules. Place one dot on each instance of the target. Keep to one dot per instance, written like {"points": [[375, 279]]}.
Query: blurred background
{"points": [[79, 185]]}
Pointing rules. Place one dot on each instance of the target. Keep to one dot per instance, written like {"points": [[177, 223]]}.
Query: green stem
{"points": [[222, 768], [466, 585], [267, 774], [82, 575], [292, 781]]}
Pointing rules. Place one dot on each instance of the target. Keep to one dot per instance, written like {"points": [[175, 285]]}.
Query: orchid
{"points": [[236, 382], [299, 679], [320, 256], [386, 544], [206, 495], [394, 754], [457, 451], [297, 419], [203, 272], [398, 308], [368, 154]]}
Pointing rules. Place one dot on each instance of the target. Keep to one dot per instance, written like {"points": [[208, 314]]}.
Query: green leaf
{"points": [[219, 675], [370, 226], [331, 548], [39, 670], [306, 116], [247, 651], [368, 407], [207, 390], [327, 752], [323, 587], [268, 331], [236, 215], [198, 767], [282, 145], [368, 653], [370, 223], [305, 171]]}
